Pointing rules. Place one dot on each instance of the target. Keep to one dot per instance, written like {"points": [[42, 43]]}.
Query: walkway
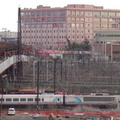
{"points": [[10, 61]]}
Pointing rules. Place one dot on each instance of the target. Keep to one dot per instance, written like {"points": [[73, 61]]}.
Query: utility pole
{"points": [[55, 60], [61, 70], [1, 99], [34, 73], [19, 48], [54, 77], [38, 85], [47, 70]]}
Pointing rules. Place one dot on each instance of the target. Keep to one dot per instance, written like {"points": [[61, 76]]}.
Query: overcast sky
{"points": [[9, 8]]}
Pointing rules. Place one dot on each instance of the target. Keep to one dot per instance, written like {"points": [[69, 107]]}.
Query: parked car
{"points": [[11, 111]]}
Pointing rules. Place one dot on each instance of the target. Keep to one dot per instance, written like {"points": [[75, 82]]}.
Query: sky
{"points": [[9, 8]]}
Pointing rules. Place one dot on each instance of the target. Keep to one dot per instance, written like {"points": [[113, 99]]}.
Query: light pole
{"points": [[38, 85], [54, 75], [1, 99], [47, 71], [55, 60], [34, 72]]}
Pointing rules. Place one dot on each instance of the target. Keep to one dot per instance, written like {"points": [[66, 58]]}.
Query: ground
{"points": [[29, 115]]}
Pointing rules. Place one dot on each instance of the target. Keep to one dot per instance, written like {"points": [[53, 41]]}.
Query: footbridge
{"points": [[9, 61]]}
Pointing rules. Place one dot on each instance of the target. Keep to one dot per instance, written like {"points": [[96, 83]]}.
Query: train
{"points": [[58, 99]]}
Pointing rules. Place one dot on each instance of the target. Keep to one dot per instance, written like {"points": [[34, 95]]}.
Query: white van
{"points": [[11, 111]]}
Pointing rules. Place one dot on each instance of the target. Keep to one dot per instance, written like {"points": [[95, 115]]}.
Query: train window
{"points": [[37, 99], [22, 99], [8, 99], [15, 99], [30, 99], [1, 99], [99, 94]]}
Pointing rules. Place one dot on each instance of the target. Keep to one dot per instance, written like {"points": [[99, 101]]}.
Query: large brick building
{"points": [[47, 28]]}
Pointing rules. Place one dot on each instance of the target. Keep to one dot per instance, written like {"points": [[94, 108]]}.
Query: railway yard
{"points": [[73, 80]]}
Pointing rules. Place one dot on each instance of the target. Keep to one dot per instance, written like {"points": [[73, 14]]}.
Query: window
{"points": [[1, 99], [82, 25], [112, 14], [68, 12], [117, 14], [55, 13], [8, 99], [62, 19], [62, 13], [49, 13], [72, 25], [38, 13], [43, 13], [30, 99], [69, 25], [77, 13], [73, 18], [37, 99], [104, 14], [73, 13], [96, 25], [96, 13], [54, 19], [96, 19], [22, 99], [104, 19], [77, 25], [82, 13], [49, 25], [104, 25], [15, 99], [32, 13]]}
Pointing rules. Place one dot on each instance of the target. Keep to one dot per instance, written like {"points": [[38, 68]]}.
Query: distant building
{"points": [[8, 36], [107, 45], [47, 28]]}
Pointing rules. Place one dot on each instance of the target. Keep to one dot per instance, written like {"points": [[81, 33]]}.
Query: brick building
{"points": [[47, 28], [107, 45]]}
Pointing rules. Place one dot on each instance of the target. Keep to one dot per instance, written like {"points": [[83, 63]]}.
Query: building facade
{"points": [[48, 28], [107, 45]]}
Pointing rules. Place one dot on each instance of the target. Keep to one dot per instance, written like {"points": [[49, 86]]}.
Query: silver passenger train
{"points": [[51, 99]]}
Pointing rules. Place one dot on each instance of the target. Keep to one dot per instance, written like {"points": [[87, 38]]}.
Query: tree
{"points": [[84, 46]]}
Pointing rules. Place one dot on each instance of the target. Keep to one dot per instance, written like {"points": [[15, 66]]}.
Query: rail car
{"points": [[32, 99], [51, 99], [106, 100]]}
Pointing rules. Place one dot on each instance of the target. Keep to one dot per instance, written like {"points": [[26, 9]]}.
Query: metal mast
{"points": [[19, 46]]}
